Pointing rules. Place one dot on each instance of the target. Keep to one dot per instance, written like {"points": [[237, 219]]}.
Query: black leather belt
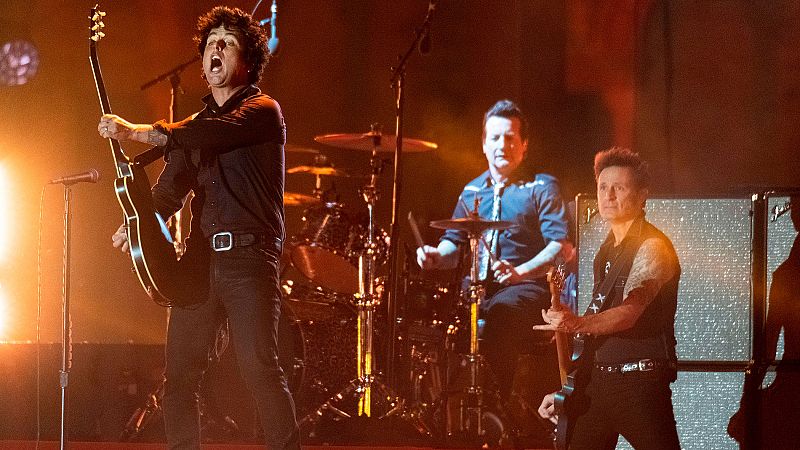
{"points": [[226, 240], [643, 365]]}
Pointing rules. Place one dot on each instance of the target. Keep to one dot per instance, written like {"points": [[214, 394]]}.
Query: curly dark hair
{"points": [[508, 110], [254, 37], [623, 157]]}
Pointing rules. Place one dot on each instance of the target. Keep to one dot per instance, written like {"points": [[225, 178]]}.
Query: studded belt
{"points": [[643, 365]]}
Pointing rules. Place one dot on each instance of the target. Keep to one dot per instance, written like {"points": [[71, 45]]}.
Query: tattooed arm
{"points": [[653, 266], [112, 126]]}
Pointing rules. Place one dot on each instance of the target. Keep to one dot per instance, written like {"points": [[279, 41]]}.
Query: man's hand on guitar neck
{"points": [[120, 239], [547, 410], [560, 319], [115, 127]]}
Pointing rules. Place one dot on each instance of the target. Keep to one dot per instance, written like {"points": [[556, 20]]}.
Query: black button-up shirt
{"points": [[535, 205], [231, 156]]}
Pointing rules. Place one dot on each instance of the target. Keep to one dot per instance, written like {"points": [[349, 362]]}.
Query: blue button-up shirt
{"points": [[535, 205]]}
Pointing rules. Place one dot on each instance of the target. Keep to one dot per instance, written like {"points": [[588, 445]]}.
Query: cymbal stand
{"points": [[366, 299], [365, 384], [325, 195], [471, 407]]}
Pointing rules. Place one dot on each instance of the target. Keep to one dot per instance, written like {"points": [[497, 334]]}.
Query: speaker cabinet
{"points": [[714, 321], [713, 240]]}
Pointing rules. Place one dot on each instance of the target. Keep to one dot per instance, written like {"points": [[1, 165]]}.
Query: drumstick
{"points": [[415, 230], [492, 258]]}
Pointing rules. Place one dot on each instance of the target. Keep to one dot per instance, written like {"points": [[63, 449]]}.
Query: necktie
{"points": [[491, 235]]}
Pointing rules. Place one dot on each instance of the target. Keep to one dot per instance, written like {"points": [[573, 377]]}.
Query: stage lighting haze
{"points": [[6, 218]]}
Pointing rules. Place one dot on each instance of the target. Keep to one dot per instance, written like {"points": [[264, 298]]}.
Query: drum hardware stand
{"points": [[366, 388], [472, 407]]}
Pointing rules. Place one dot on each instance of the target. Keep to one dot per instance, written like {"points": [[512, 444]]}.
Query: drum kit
{"points": [[327, 333], [339, 295]]}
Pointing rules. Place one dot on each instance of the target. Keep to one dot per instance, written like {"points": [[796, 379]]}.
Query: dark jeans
{"points": [[636, 405], [245, 289], [509, 313]]}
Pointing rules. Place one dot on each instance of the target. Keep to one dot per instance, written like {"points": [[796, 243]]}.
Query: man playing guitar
{"points": [[230, 155], [624, 373]]}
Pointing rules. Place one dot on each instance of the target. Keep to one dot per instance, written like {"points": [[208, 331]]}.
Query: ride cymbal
{"points": [[292, 148], [374, 141], [319, 170], [298, 199]]}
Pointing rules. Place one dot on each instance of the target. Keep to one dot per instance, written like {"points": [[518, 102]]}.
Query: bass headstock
{"points": [[96, 24], [556, 277]]}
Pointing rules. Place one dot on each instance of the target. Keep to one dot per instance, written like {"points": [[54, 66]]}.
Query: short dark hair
{"points": [[254, 37], [509, 110], [623, 157]]}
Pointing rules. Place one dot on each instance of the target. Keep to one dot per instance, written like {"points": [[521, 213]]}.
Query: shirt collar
{"points": [[634, 231], [515, 176], [237, 98]]}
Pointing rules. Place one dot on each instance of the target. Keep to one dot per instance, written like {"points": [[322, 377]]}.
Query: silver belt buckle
{"points": [[646, 365], [224, 239]]}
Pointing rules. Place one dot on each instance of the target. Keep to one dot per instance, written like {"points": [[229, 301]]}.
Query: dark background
{"points": [[707, 91]]}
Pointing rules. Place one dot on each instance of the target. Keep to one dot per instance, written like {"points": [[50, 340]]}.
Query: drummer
{"points": [[515, 274]]}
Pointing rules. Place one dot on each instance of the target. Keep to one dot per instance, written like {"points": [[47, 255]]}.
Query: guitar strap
{"points": [[149, 156], [600, 295]]}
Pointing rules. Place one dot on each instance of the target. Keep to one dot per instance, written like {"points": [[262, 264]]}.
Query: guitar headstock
{"points": [[96, 24], [556, 277]]}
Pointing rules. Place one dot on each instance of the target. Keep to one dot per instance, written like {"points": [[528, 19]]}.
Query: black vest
{"points": [[653, 335]]}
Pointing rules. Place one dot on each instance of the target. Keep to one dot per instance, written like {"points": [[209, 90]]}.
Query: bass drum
{"points": [[318, 349]]}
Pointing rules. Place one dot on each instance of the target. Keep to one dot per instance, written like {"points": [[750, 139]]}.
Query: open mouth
{"points": [[216, 64]]}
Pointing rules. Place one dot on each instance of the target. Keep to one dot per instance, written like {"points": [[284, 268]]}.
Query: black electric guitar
{"points": [[151, 245]]}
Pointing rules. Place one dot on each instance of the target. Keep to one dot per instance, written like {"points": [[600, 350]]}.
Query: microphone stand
{"points": [[398, 84], [174, 72], [173, 75], [148, 156], [66, 326]]}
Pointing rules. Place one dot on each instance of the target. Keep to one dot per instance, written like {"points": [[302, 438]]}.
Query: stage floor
{"points": [[50, 445]]}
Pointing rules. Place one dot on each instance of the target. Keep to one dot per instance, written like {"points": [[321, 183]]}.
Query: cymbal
{"points": [[319, 170], [367, 141], [292, 148], [298, 199], [472, 224]]}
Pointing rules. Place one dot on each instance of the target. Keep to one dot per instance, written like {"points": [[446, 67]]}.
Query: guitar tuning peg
{"points": [[98, 26], [98, 35], [102, 13]]}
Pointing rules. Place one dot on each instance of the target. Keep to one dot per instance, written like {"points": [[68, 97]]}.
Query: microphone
{"points": [[272, 44], [425, 42], [90, 176]]}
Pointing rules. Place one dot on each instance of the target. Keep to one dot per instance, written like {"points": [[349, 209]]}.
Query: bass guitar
{"points": [[555, 278], [569, 363], [152, 248]]}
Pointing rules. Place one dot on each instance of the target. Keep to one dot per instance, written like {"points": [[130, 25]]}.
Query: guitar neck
{"points": [[121, 161], [562, 339], [562, 348]]}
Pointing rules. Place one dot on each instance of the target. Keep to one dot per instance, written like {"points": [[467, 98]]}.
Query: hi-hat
{"points": [[298, 199], [319, 170], [291, 148], [472, 224], [374, 141]]}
